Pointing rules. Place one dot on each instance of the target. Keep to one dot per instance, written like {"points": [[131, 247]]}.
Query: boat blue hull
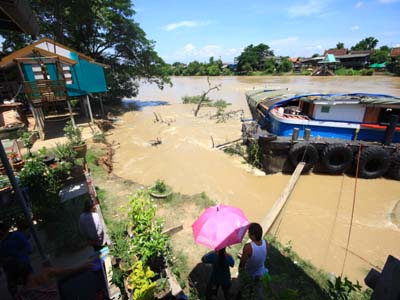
{"points": [[365, 134]]}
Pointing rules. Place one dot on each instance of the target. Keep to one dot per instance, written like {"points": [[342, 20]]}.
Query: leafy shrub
{"points": [[140, 280], [341, 289], [73, 134], [148, 240], [367, 72], [160, 187]]}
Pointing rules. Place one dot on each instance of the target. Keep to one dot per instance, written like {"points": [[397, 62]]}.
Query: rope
{"points": [[352, 209], [334, 222]]}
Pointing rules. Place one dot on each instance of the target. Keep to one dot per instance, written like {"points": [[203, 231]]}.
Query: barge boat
{"points": [[328, 131]]}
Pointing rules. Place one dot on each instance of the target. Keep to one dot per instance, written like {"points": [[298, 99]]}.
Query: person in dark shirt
{"points": [[221, 274], [14, 255]]}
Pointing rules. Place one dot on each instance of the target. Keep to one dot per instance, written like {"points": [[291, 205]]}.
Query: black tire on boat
{"points": [[336, 158], [374, 162], [303, 152], [268, 138], [394, 169]]}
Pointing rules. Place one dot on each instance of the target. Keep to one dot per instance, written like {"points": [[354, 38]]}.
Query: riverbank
{"points": [[316, 220], [291, 276]]}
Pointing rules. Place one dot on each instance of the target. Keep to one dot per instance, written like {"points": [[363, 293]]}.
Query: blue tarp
{"points": [[87, 77]]}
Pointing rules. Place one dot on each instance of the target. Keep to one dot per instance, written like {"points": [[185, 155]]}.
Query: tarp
{"points": [[328, 59], [378, 66], [278, 98]]}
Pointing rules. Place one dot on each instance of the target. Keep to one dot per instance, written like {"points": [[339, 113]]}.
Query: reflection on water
{"points": [[317, 217]]}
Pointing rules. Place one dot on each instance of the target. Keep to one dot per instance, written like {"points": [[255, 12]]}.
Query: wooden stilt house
{"points": [[52, 74]]}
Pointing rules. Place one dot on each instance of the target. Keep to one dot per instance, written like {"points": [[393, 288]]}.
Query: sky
{"points": [[187, 30]]}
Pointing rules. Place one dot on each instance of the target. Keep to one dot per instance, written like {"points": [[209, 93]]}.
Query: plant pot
{"points": [[80, 150], [17, 166], [158, 195], [49, 159], [77, 171]]}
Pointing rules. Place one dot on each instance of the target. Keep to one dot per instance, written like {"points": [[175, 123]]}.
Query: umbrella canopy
{"points": [[220, 226]]}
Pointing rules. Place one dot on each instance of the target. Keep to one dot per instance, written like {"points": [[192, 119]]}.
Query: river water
{"points": [[317, 217]]}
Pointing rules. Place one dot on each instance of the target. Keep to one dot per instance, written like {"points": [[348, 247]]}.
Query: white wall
{"points": [[340, 112], [50, 47]]}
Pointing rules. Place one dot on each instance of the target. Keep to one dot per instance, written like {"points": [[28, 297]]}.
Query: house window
{"points": [[325, 109]]}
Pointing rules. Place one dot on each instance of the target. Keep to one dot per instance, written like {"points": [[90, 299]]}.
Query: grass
{"points": [[92, 157], [296, 278]]}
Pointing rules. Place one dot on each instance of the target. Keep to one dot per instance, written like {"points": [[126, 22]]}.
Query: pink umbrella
{"points": [[220, 226]]}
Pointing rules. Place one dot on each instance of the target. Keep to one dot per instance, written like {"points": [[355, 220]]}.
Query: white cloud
{"points": [[354, 28], [190, 52], [285, 41], [308, 8], [187, 24], [388, 1], [359, 4]]}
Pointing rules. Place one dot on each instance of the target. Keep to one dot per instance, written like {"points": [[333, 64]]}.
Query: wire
{"points": [[352, 209]]}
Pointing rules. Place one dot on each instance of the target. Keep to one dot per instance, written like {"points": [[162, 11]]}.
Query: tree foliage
{"points": [[340, 45], [212, 68], [104, 30], [253, 58], [379, 56], [368, 43]]}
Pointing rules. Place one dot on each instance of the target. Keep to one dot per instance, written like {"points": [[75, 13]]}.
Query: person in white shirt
{"points": [[252, 262], [90, 226]]}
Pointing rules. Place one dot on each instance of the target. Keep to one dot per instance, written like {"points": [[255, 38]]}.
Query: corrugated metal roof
{"points": [[395, 52]]}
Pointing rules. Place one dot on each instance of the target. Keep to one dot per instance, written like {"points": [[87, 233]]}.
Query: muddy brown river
{"points": [[317, 217]]}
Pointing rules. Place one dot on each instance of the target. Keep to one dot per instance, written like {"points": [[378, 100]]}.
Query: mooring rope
{"points": [[352, 209], [334, 221]]}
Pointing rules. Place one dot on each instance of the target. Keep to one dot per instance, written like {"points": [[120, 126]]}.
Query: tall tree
{"points": [[368, 43], [339, 45], [254, 58], [104, 30]]}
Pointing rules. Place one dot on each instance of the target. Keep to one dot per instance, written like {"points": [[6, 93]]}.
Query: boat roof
{"points": [[273, 98]]}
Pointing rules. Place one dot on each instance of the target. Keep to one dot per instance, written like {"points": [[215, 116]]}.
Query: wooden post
{"points": [[38, 122], [70, 113], [102, 107], [89, 108], [273, 213]]}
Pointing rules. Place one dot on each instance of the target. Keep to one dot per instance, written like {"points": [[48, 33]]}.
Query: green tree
{"points": [[368, 43], [104, 30], [270, 65], [213, 70], [315, 55], [379, 56], [286, 65], [385, 48], [339, 45], [255, 57]]}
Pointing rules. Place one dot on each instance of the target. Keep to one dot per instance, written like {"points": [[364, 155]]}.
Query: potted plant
{"points": [[4, 183], [74, 136], [27, 140], [5, 190], [160, 190], [47, 158], [65, 152], [16, 162], [2, 169]]}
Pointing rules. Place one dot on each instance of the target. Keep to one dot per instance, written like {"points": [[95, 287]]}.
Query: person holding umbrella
{"points": [[220, 275]]}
